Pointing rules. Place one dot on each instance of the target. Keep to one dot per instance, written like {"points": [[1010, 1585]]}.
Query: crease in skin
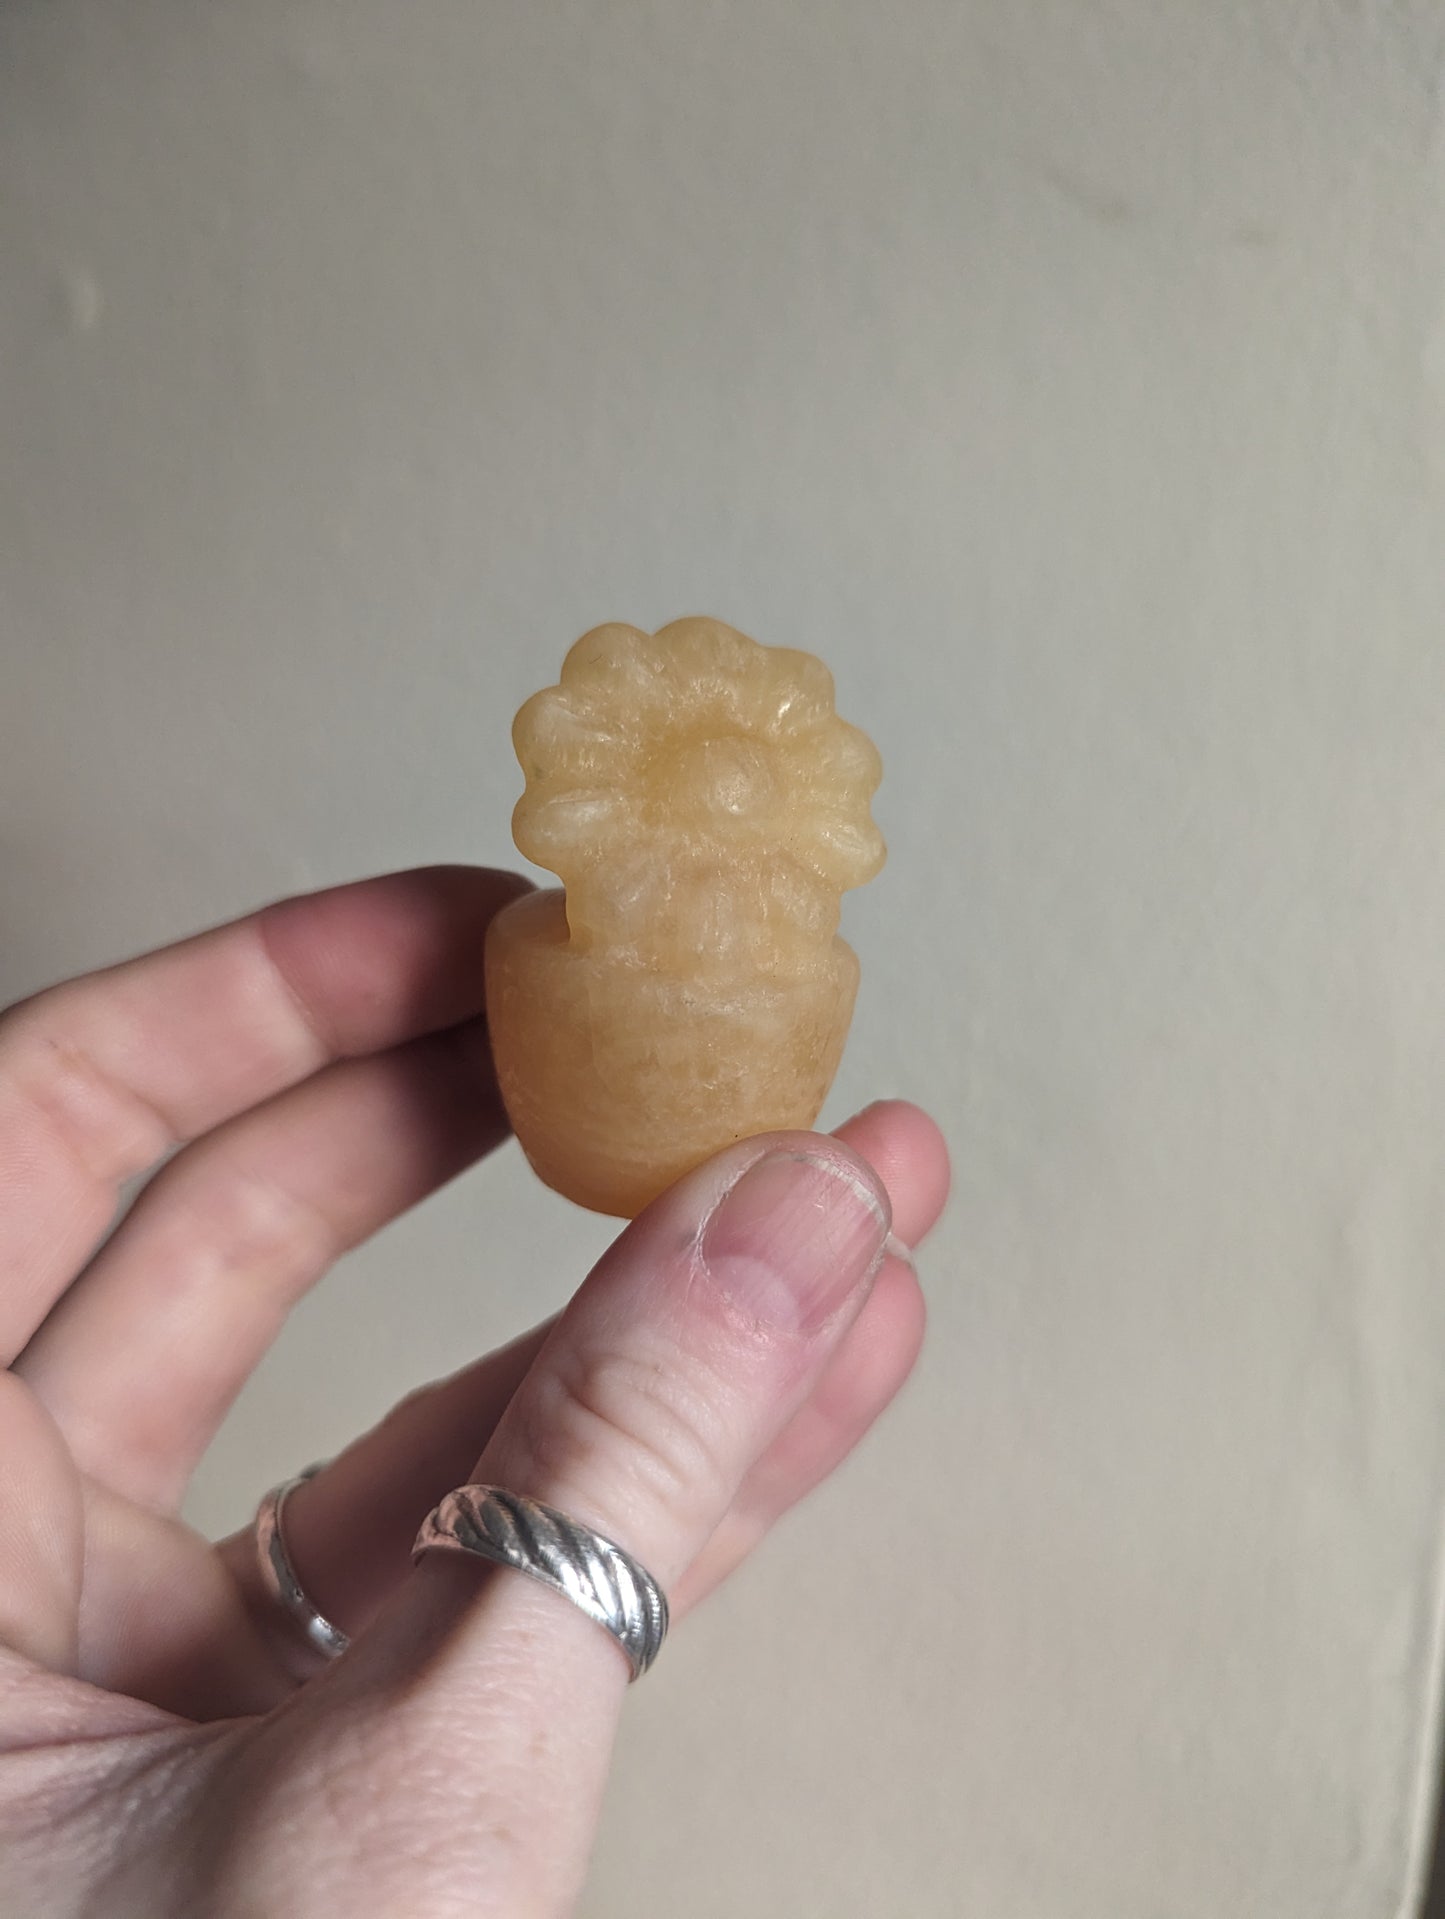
{"points": [[705, 809]]}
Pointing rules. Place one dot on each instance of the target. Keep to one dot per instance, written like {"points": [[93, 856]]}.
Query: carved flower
{"points": [[697, 795]]}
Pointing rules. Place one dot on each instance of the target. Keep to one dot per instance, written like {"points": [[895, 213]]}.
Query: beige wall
{"points": [[1070, 375]]}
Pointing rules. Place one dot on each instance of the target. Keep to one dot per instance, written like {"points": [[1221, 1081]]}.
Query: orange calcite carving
{"points": [[705, 808]]}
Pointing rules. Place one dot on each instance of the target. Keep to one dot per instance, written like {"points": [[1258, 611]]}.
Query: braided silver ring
{"points": [[278, 1575], [608, 1584]]}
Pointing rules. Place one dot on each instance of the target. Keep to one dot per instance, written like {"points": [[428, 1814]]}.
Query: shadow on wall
{"points": [[1433, 1905]]}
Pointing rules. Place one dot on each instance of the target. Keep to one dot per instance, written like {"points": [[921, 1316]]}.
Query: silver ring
{"points": [[608, 1584], [278, 1575]]}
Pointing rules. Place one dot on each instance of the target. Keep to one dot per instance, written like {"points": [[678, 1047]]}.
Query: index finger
{"points": [[101, 1076]]}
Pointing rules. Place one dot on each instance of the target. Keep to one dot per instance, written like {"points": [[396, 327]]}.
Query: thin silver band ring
{"points": [[278, 1575], [608, 1584]]}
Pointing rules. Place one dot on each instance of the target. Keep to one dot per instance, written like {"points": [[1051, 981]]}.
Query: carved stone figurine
{"points": [[705, 808]]}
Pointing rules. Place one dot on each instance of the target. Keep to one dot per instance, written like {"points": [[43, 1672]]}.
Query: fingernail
{"points": [[794, 1238], [894, 1247]]}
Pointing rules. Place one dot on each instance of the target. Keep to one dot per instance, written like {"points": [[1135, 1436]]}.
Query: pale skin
{"points": [[165, 1746]]}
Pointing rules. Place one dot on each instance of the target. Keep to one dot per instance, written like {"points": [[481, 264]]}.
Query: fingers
{"points": [[908, 1153], [199, 1278], [349, 1530], [42, 1534], [864, 1375], [682, 1357], [99, 1077], [861, 1381]]}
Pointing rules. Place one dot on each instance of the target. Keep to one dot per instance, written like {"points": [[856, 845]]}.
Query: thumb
{"points": [[695, 1339]]}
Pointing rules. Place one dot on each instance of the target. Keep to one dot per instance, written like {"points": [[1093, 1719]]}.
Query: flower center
{"points": [[724, 780]]}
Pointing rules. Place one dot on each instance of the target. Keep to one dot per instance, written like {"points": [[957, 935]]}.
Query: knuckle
{"points": [[635, 1414], [107, 1129], [251, 1223]]}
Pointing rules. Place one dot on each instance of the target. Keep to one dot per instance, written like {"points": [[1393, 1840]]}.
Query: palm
{"points": [[136, 1600]]}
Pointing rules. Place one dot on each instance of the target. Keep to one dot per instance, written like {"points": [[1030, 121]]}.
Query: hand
{"points": [[161, 1749]]}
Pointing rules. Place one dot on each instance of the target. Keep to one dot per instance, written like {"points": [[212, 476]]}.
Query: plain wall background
{"points": [[1070, 376]]}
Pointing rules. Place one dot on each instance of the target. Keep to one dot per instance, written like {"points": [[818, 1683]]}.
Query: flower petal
{"points": [[844, 759], [560, 827], [558, 735], [842, 847], [797, 695], [620, 673], [699, 649]]}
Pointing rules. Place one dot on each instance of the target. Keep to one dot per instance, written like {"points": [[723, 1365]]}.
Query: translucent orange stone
{"points": [[705, 809]]}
